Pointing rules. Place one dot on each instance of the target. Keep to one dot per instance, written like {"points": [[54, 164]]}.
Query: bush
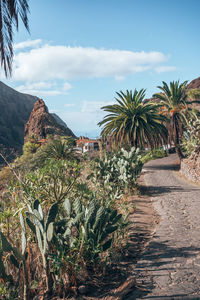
{"points": [[120, 169], [153, 154]]}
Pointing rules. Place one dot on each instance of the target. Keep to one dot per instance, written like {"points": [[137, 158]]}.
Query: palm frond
{"points": [[10, 11]]}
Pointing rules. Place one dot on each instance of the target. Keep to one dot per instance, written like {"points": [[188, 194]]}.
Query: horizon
{"points": [[92, 50]]}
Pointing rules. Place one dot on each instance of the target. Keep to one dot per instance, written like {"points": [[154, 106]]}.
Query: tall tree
{"points": [[10, 11], [131, 121], [173, 99]]}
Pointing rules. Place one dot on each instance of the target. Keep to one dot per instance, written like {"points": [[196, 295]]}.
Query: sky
{"points": [[79, 53]]}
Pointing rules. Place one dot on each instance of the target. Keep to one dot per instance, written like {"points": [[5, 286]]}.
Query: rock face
{"points": [[15, 109], [195, 84], [41, 123], [190, 168]]}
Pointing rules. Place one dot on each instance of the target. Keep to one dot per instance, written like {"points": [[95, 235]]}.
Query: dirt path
{"points": [[170, 266]]}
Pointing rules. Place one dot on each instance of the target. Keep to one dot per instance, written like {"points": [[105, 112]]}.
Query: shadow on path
{"points": [[175, 166], [154, 191], [157, 259]]}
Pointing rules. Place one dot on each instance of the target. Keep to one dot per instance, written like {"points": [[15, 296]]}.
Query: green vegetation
{"points": [[63, 215], [119, 169], [73, 224], [153, 154], [191, 140], [174, 103], [130, 121]]}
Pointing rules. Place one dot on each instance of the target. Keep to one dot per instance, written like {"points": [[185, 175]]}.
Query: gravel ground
{"points": [[170, 266]]}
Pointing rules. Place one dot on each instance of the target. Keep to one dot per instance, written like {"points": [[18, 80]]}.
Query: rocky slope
{"points": [[195, 84], [15, 109], [41, 123]]}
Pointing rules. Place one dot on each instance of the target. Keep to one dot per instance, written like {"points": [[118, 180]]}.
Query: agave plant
{"points": [[17, 257], [95, 225], [43, 230]]}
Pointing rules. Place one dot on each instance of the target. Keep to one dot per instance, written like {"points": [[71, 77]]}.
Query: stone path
{"points": [[170, 266]]}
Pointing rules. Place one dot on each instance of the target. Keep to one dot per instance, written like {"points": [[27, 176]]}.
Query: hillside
{"points": [[41, 123], [195, 84], [15, 109]]}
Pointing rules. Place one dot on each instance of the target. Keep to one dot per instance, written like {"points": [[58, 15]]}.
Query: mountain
{"points": [[15, 109], [41, 123], [59, 120], [195, 84]]}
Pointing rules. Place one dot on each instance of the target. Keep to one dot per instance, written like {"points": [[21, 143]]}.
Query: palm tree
{"points": [[10, 11], [131, 121], [174, 103]]}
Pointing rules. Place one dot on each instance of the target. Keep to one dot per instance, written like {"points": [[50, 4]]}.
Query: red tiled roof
{"points": [[84, 141]]}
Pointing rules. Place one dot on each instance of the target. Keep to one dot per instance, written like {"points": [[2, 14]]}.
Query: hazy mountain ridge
{"points": [[15, 109]]}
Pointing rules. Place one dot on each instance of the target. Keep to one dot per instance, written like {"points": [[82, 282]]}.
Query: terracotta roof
{"points": [[84, 141]]}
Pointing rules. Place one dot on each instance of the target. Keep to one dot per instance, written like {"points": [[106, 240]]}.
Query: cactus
{"points": [[95, 224], [121, 169], [44, 230], [17, 257]]}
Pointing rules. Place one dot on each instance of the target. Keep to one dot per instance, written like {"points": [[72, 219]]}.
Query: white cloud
{"points": [[61, 62], [87, 118], [27, 44], [94, 107], [69, 105], [162, 69], [43, 88], [66, 86]]}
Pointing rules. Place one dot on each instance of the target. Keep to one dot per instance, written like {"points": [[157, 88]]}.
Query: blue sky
{"points": [[80, 52]]}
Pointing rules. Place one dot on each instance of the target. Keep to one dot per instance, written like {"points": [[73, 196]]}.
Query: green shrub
{"points": [[120, 169], [153, 154], [191, 140]]}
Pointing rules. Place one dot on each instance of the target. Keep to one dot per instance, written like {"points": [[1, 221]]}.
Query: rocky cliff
{"points": [[195, 84], [15, 109], [41, 123]]}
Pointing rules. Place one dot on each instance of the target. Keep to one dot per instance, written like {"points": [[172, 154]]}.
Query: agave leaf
{"points": [[67, 232], [37, 214], [2, 268], [50, 232], [104, 235], [31, 225], [107, 244], [29, 208], [109, 229], [22, 222], [52, 214], [6, 246], [113, 214], [99, 216], [77, 206], [14, 261], [117, 218], [39, 239], [67, 206], [24, 242], [77, 218], [35, 221], [40, 211], [36, 204], [90, 213], [17, 253]]}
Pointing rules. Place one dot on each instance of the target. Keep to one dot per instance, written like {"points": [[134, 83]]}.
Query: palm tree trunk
{"points": [[176, 139]]}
